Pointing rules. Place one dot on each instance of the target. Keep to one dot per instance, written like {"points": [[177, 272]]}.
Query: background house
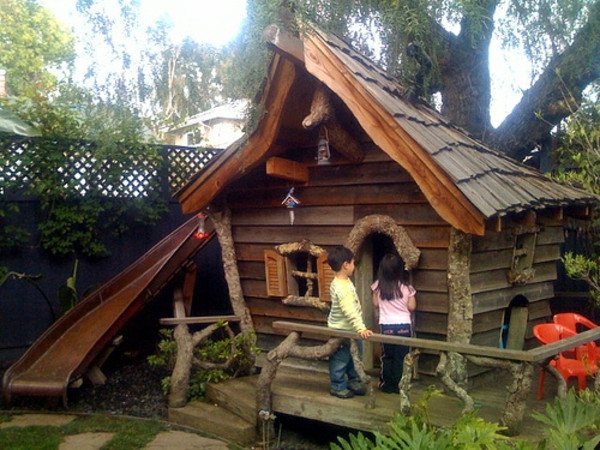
{"points": [[217, 127]]}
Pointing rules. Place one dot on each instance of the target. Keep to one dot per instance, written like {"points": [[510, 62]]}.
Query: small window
{"points": [[522, 271], [189, 139], [298, 269]]}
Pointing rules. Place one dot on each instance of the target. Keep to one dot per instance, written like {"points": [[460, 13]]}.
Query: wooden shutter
{"points": [[325, 275], [275, 274]]}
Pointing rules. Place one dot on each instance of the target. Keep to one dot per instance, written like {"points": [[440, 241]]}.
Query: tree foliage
{"points": [[558, 36], [32, 44], [88, 141]]}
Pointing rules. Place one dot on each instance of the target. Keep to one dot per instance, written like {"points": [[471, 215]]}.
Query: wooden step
{"points": [[215, 421], [237, 396]]}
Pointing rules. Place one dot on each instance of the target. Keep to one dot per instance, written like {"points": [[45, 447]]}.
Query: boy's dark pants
{"points": [[392, 357]]}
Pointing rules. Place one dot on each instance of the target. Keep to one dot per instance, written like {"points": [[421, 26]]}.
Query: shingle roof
{"points": [[494, 183]]}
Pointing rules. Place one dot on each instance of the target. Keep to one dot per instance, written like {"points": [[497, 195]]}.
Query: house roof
{"points": [[466, 182]]}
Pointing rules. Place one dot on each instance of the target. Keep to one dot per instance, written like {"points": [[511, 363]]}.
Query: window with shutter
{"points": [[326, 275], [275, 272]]}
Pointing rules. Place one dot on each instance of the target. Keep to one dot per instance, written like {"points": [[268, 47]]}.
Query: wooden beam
{"points": [[440, 190], [197, 320], [538, 355], [494, 224], [287, 169], [284, 42], [189, 283], [578, 212]]}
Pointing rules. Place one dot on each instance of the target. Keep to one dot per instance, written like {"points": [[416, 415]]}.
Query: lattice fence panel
{"points": [[80, 171], [185, 162]]}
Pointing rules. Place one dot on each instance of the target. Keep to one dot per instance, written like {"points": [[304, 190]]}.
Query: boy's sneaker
{"points": [[357, 388], [344, 393]]}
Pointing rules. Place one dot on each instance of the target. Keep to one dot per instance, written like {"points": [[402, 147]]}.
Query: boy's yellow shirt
{"points": [[346, 312]]}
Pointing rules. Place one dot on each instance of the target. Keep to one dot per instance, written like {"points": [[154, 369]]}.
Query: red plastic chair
{"points": [[576, 322], [583, 365]]}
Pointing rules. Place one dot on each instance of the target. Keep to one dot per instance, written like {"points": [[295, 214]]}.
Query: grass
{"points": [[129, 433]]}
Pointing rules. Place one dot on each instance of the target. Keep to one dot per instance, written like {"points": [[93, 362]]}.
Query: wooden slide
{"points": [[70, 347]]}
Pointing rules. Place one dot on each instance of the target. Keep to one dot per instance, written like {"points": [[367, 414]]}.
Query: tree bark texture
{"points": [[313, 302], [518, 390], [222, 222], [180, 377], [442, 372], [377, 223], [465, 82], [405, 382], [460, 314], [323, 114], [288, 348], [555, 95], [464, 71]]}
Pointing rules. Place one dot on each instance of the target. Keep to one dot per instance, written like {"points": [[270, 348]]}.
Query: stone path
{"points": [[179, 440]]}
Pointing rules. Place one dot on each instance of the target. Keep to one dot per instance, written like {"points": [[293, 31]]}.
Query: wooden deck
{"points": [[304, 392]]}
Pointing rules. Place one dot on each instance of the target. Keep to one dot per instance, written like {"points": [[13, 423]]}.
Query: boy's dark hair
{"points": [[338, 256]]}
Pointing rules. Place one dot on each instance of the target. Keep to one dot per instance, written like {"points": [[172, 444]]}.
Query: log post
{"points": [[460, 314], [180, 377], [288, 348], [518, 390], [405, 382], [449, 382], [222, 223], [516, 403]]}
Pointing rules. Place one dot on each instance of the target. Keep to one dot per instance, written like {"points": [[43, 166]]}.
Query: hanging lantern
{"points": [[200, 234], [323, 153]]}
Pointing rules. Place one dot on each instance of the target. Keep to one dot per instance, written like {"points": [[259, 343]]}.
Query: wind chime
{"points": [[290, 202], [200, 233]]}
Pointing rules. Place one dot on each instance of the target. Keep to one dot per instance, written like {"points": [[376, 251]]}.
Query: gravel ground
{"points": [[133, 388]]}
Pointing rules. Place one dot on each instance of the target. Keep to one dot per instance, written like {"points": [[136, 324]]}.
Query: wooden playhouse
{"points": [[340, 156]]}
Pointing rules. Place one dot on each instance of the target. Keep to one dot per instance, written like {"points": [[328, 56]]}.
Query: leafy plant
{"points": [[573, 423], [415, 432], [579, 164], [67, 293]]}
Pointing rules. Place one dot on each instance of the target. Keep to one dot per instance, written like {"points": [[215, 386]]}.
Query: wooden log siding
{"points": [[492, 293], [335, 197]]}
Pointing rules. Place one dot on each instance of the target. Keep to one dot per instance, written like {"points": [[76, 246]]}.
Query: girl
{"points": [[393, 301]]}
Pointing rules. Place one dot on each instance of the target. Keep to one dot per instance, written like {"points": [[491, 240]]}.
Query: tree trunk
{"points": [[460, 314], [465, 73], [180, 378], [555, 95]]}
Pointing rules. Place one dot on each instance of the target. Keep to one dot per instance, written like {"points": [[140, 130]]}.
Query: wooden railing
{"points": [[520, 363]]}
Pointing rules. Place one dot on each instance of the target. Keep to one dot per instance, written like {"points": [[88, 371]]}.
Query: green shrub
{"points": [[572, 424], [216, 349]]}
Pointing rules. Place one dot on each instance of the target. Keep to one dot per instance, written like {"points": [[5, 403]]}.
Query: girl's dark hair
{"points": [[390, 275]]}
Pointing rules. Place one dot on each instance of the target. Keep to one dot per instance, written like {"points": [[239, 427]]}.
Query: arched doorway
{"points": [[514, 325], [371, 238]]}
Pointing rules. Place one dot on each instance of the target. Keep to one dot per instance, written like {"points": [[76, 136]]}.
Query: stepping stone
{"points": [[180, 440], [85, 441], [32, 420]]}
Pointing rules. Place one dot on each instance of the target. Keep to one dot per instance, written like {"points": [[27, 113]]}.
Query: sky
{"points": [[213, 21]]}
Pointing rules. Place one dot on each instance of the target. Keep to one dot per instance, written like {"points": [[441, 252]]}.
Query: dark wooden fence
{"points": [[27, 307]]}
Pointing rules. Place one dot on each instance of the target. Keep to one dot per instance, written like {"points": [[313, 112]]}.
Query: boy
{"points": [[345, 314]]}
